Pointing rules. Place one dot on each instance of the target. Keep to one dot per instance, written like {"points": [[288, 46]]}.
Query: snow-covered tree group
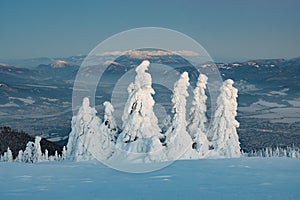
{"points": [[7, 156], [140, 137], [291, 152], [32, 154], [90, 137]]}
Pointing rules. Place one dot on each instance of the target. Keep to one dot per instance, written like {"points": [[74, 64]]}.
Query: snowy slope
{"points": [[243, 178]]}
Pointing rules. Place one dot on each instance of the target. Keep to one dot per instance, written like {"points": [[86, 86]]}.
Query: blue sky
{"points": [[230, 29]]}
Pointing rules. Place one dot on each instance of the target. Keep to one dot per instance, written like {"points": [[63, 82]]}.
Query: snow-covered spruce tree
{"points": [[108, 131], [277, 152], [178, 141], [32, 153], [37, 154], [293, 152], [197, 117], [224, 135], [19, 157], [110, 122], [141, 133], [267, 152], [4, 157], [64, 153], [284, 152], [84, 139], [28, 153], [46, 155], [56, 156], [9, 155]]}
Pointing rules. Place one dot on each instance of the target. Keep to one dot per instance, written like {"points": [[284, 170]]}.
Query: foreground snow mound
{"points": [[242, 178]]}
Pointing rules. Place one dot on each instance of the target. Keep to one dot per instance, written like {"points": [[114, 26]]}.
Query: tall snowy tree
{"points": [[37, 154], [56, 156], [84, 139], [46, 155], [108, 131], [197, 117], [109, 123], [64, 153], [29, 153], [178, 141], [20, 155], [141, 133], [9, 155], [224, 135]]}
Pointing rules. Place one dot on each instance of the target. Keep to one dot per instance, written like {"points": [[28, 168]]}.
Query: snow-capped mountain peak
{"points": [[4, 65], [60, 64]]}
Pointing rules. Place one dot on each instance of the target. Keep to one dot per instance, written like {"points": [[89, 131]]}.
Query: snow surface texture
{"points": [[242, 178], [141, 139]]}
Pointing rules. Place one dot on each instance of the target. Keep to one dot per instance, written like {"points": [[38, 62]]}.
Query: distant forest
{"points": [[17, 140]]}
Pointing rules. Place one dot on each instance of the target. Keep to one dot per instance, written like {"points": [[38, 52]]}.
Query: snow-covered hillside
{"points": [[242, 178]]}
